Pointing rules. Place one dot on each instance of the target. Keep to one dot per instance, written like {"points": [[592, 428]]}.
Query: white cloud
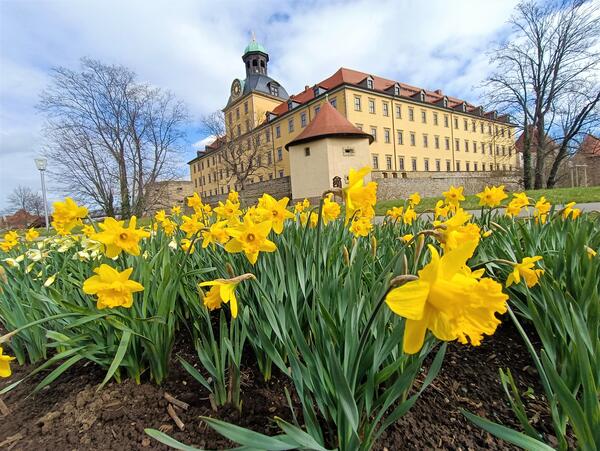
{"points": [[193, 48]]}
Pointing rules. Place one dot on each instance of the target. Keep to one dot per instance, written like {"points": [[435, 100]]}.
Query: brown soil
{"points": [[72, 415]]}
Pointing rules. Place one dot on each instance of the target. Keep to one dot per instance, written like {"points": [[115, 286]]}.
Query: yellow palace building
{"points": [[415, 132]]}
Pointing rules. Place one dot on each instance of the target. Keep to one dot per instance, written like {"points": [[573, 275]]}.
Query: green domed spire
{"points": [[254, 46]]}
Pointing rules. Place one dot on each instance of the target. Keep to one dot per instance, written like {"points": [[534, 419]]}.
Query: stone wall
{"points": [[278, 188], [433, 184]]}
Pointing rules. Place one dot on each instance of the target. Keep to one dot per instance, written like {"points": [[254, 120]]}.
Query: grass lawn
{"points": [[554, 196]]}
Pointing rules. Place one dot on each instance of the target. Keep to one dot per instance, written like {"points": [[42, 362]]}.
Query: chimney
{"points": [[438, 92], [306, 87]]}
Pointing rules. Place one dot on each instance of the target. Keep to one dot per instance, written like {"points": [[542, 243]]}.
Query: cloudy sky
{"points": [[193, 48]]}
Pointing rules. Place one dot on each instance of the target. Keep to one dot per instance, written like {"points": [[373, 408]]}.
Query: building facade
{"points": [[414, 130]]}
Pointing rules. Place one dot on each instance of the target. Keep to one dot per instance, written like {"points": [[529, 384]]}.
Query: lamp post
{"points": [[41, 164]]}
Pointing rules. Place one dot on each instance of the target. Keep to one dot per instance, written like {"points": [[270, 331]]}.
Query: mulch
{"points": [[72, 414]]}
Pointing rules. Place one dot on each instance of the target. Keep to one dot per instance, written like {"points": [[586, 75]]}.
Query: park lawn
{"points": [[471, 202]]}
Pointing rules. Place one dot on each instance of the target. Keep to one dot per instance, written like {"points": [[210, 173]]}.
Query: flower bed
{"points": [[354, 318]]}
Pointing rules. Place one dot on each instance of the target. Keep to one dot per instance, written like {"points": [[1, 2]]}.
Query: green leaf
{"points": [[507, 434], [57, 372], [298, 436], [123, 345], [246, 436], [169, 441], [195, 373]]}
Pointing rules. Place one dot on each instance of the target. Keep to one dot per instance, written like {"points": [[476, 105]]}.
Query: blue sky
{"points": [[193, 48]]}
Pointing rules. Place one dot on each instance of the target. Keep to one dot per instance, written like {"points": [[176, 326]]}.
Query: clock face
{"points": [[236, 88]]}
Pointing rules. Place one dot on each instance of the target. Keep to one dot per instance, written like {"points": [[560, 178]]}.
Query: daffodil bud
{"points": [[346, 256]]}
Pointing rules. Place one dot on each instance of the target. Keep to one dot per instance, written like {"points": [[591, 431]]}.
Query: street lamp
{"points": [[41, 164]]}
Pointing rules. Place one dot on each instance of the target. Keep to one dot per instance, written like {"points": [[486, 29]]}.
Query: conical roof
{"points": [[329, 123], [254, 46]]}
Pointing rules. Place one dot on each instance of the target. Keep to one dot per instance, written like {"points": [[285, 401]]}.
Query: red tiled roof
{"points": [[533, 140], [328, 122], [354, 77], [590, 145]]}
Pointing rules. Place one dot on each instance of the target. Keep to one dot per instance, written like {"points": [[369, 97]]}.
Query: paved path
{"points": [[589, 206]]}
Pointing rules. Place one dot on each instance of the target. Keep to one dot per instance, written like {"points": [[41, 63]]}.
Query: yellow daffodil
{"points": [[275, 210], [455, 231], [395, 212], [331, 210], [160, 216], [301, 206], [409, 216], [229, 211], [414, 199], [11, 239], [441, 210], [117, 238], [191, 224], [187, 246], [250, 238], [591, 253], [360, 198], [406, 238], [175, 210], [5, 360], [304, 219], [113, 288], [32, 234], [67, 215], [361, 226], [570, 211], [449, 300], [223, 291], [486, 233], [88, 230], [169, 226], [454, 195], [542, 207], [217, 233], [195, 202], [233, 197], [492, 197], [526, 270]]}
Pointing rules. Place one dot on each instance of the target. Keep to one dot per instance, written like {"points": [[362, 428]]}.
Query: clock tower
{"points": [[255, 58]]}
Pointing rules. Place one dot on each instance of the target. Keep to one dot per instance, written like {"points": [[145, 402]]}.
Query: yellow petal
{"points": [[414, 335], [409, 299]]}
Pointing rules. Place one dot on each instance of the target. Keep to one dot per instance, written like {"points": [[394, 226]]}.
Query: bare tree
{"points": [[553, 49], [242, 156], [23, 198], [110, 136]]}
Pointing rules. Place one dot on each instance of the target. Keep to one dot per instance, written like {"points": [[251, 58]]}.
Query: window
{"points": [[237, 113], [209, 178], [448, 166], [457, 145], [317, 109], [291, 125], [411, 114], [483, 166], [396, 90], [423, 116], [279, 154], [438, 165], [509, 151], [447, 142], [489, 129], [504, 167], [357, 103], [269, 158], [261, 178], [436, 140], [475, 166], [473, 126], [371, 106], [468, 166], [425, 141], [398, 111], [456, 123], [413, 139], [386, 135], [386, 108], [375, 161], [259, 160], [280, 173], [239, 129], [247, 125], [457, 165], [446, 120], [503, 150], [270, 176], [466, 145], [333, 102], [481, 127], [502, 132], [370, 83], [388, 162], [359, 126], [303, 120], [400, 137], [246, 107], [278, 132], [401, 163], [414, 164], [426, 164], [497, 150], [268, 136], [435, 119], [474, 146], [348, 152], [274, 90], [374, 133]]}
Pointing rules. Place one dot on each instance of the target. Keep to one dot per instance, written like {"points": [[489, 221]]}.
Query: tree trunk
{"points": [[556, 165], [540, 154], [526, 157]]}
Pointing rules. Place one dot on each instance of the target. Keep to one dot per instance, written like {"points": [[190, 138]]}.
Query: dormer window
{"points": [[422, 96], [396, 90], [274, 89], [445, 102], [318, 90], [369, 83]]}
